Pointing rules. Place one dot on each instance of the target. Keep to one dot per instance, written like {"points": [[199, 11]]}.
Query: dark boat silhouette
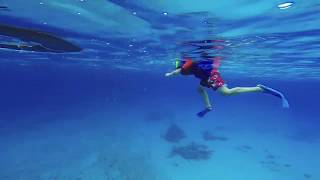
{"points": [[33, 40]]}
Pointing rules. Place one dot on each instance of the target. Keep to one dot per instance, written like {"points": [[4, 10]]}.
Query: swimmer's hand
{"points": [[175, 72]]}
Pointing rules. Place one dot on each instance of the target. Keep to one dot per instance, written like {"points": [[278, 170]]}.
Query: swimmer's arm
{"points": [[175, 72]]}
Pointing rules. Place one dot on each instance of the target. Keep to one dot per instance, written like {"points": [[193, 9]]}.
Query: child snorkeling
{"points": [[207, 72]]}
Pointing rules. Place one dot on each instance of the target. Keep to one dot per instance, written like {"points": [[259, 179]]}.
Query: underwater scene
{"points": [[159, 90]]}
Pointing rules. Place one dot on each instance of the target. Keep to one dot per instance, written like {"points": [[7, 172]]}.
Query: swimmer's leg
{"points": [[238, 90], [259, 88], [205, 96], [206, 99]]}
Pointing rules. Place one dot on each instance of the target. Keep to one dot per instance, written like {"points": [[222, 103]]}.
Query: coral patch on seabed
{"points": [[122, 166], [307, 176], [270, 162], [244, 148], [270, 156], [208, 136], [156, 116], [308, 135], [271, 165], [174, 134], [192, 151], [287, 165]]}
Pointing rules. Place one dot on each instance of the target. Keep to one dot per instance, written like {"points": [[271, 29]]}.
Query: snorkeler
{"points": [[207, 72]]}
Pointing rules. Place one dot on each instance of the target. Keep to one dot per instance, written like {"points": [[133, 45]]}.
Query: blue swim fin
{"points": [[276, 93], [203, 112]]}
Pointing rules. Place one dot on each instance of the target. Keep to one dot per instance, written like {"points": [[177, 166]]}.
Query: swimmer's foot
{"points": [[271, 91], [276, 93], [204, 112]]}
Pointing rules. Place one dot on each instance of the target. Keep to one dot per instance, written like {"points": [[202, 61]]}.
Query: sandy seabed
{"points": [[115, 148]]}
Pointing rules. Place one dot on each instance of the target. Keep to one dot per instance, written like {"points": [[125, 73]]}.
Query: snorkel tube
{"points": [[178, 63]]}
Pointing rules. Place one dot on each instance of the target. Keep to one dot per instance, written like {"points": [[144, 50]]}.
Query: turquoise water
{"points": [[84, 97]]}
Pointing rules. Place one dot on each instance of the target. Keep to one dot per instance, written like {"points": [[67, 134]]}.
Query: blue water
{"points": [[102, 113]]}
